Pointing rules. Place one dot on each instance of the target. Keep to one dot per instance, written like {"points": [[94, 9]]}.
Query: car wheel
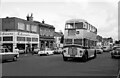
{"points": [[3, 61], [47, 54], [95, 54], [112, 56], [14, 58], [85, 58], [65, 58]]}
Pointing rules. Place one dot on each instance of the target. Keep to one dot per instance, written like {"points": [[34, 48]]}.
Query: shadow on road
{"points": [[78, 60]]}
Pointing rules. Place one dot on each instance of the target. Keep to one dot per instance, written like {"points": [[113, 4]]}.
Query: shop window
{"points": [[28, 39], [8, 38], [20, 38]]}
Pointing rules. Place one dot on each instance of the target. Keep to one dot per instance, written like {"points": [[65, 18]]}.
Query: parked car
{"points": [[106, 49], [99, 51], [47, 51], [115, 52], [36, 50], [7, 55], [58, 51], [21, 51]]}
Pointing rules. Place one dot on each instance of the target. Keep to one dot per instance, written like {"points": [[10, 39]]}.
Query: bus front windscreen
{"points": [[69, 26], [68, 41]]}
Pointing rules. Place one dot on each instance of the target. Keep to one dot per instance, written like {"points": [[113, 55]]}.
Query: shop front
{"points": [[46, 43], [21, 40]]}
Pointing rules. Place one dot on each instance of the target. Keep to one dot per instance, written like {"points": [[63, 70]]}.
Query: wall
{"points": [[8, 24]]}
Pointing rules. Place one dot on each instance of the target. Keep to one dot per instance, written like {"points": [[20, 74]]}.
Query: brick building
{"points": [[99, 41], [17, 32], [107, 41], [57, 37], [46, 35]]}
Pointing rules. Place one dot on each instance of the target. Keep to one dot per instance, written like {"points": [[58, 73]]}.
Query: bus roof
{"points": [[75, 20]]}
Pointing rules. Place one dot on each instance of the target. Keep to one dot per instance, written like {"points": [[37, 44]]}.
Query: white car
{"points": [[36, 50], [106, 49], [58, 51], [47, 51], [7, 55], [99, 51], [21, 51]]}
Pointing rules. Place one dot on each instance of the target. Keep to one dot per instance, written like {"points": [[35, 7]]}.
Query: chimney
{"points": [[29, 18], [43, 21]]}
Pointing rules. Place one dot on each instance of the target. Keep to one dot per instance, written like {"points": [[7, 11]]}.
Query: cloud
{"points": [[99, 13]]}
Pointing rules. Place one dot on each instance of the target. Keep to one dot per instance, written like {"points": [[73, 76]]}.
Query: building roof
{"points": [[34, 22], [47, 25], [58, 34]]}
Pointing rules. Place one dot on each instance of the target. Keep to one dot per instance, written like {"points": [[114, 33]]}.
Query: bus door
{"points": [[91, 51]]}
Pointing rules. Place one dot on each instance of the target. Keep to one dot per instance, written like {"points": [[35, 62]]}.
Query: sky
{"points": [[103, 14]]}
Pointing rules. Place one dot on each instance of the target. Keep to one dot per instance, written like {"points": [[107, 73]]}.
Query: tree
{"points": [[62, 39]]}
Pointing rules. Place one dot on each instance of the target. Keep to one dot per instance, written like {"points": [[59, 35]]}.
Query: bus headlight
{"points": [[81, 52], [64, 51]]}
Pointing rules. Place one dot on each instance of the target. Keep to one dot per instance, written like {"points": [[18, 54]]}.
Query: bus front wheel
{"points": [[65, 58], [85, 58]]}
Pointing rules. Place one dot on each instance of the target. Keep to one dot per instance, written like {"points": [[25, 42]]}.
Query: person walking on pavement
{"points": [[32, 50]]}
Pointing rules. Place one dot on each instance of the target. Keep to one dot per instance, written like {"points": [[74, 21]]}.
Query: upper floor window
{"points": [[21, 26], [28, 27], [34, 28]]}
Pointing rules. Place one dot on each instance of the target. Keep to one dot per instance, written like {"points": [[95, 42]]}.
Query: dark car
{"points": [[6, 55], [115, 52]]}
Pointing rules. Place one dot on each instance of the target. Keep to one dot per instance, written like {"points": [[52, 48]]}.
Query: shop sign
{"points": [[6, 33], [23, 34]]}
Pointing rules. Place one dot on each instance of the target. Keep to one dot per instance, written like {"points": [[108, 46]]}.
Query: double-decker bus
{"points": [[79, 39]]}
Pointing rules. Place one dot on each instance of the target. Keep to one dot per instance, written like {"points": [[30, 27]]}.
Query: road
{"points": [[53, 65]]}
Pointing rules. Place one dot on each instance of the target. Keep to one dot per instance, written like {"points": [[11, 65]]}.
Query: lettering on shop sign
{"points": [[4, 33], [23, 34]]}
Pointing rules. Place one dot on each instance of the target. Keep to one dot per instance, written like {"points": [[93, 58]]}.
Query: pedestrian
{"points": [[10, 49], [27, 50], [32, 50]]}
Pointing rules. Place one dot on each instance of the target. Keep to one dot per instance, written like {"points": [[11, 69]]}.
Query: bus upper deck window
{"points": [[70, 25]]}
